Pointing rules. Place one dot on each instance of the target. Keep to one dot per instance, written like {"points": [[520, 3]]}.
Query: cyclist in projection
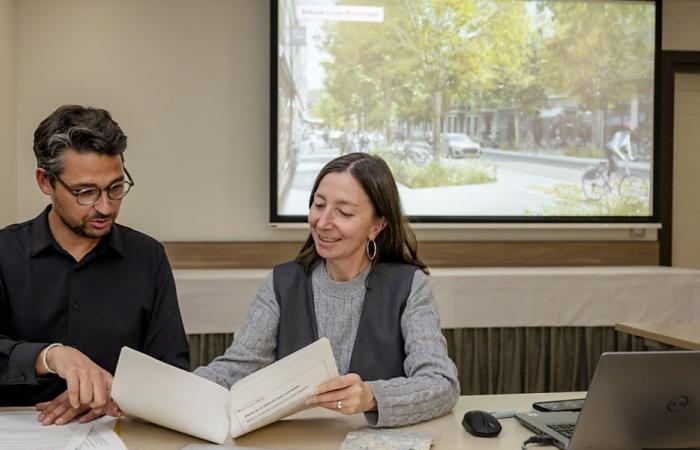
{"points": [[613, 149]]}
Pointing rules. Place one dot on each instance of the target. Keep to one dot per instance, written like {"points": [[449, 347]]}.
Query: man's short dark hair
{"points": [[83, 129]]}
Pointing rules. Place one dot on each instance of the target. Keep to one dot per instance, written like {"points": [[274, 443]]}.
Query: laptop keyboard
{"points": [[565, 429]]}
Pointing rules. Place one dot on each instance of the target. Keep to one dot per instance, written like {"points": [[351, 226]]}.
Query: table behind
{"points": [[217, 301], [683, 335]]}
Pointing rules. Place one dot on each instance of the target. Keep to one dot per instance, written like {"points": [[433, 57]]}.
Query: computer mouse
{"points": [[481, 423]]}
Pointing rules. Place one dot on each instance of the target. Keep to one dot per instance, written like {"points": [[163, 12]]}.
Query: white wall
{"points": [[188, 82], [8, 124]]}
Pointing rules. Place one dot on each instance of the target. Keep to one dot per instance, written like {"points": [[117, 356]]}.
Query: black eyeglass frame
{"points": [[77, 192]]}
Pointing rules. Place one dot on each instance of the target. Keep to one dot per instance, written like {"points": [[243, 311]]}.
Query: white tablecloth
{"points": [[216, 301]]}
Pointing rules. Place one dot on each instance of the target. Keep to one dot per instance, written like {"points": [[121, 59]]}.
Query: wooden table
{"points": [[322, 429], [684, 335]]}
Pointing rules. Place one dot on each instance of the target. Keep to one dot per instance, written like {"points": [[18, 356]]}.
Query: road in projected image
{"points": [[525, 183], [522, 110]]}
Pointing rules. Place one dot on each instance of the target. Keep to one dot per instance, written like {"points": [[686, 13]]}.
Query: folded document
{"points": [[165, 395]]}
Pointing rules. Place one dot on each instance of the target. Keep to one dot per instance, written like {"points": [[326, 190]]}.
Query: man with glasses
{"points": [[75, 286]]}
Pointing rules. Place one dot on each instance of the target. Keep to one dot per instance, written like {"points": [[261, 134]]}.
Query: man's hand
{"points": [[347, 394], [59, 411], [88, 384]]}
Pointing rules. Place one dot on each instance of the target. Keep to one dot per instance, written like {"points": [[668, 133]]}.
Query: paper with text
{"points": [[280, 389], [102, 436], [21, 430], [165, 395]]}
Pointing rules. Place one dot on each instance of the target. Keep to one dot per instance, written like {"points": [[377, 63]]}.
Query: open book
{"points": [[165, 395]]}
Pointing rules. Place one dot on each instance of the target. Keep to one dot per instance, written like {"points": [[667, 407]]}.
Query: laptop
{"points": [[636, 400]]}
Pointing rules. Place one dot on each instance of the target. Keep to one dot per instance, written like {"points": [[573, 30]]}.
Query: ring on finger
{"points": [[339, 404]]}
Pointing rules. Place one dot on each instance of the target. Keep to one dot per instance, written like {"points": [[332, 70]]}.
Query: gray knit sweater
{"points": [[430, 388]]}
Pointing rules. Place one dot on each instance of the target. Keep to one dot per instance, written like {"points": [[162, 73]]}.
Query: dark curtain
{"points": [[538, 359], [206, 347], [501, 360]]}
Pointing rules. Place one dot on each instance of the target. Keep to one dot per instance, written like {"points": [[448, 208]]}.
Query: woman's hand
{"points": [[347, 394]]}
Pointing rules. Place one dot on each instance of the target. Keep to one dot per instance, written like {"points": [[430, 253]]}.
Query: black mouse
{"points": [[481, 423]]}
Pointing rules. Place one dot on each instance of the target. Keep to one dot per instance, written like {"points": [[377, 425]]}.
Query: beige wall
{"points": [[188, 81], [681, 32], [680, 19], [8, 125], [686, 172]]}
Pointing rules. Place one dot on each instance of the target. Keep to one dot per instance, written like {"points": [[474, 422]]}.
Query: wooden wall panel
{"points": [[252, 255]]}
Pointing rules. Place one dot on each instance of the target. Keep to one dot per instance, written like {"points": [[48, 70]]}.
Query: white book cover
{"points": [[174, 398]]}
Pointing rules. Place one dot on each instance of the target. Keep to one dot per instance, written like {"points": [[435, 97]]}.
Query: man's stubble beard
{"points": [[83, 228]]}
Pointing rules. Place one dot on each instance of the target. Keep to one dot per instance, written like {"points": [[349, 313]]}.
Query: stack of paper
{"points": [[21, 430]]}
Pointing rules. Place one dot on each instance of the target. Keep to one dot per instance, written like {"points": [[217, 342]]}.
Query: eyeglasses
{"points": [[91, 195]]}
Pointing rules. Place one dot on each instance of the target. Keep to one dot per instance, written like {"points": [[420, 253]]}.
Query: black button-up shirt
{"points": [[121, 293]]}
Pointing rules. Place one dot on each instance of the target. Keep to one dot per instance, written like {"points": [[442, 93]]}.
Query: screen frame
{"points": [[277, 220]]}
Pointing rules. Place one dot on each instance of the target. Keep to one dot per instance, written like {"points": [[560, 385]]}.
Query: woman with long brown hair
{"points": [[358, 281]]}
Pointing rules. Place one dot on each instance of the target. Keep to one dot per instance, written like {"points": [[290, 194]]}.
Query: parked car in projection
{"points": [[458, 145]]}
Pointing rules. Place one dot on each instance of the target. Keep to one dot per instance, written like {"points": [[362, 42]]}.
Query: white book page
{"points": [[280, 389], [165, 395]]}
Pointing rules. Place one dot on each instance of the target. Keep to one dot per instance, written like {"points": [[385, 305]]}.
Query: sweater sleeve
{"points": [[254, 346], [430, 388]]}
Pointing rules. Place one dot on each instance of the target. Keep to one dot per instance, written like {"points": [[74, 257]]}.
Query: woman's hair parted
{"points": [[397, 241]]}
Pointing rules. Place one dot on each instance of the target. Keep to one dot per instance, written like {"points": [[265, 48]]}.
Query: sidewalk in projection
{"points": [[523, 184]]}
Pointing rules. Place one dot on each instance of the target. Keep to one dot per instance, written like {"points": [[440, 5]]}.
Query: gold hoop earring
{"points": [[371, 254]]}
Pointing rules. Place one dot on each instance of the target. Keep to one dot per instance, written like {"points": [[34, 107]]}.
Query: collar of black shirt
{"points": [[43, 240]]}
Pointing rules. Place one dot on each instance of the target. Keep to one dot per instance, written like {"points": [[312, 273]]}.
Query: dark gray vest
{"points": [[378, 353]]}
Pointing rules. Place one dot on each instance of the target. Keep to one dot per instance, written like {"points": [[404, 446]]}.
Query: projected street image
{"points": [[483, 108]]}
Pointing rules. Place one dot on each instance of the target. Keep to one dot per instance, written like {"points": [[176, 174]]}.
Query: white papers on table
{"points": [[21, 430], [103, 437]]}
